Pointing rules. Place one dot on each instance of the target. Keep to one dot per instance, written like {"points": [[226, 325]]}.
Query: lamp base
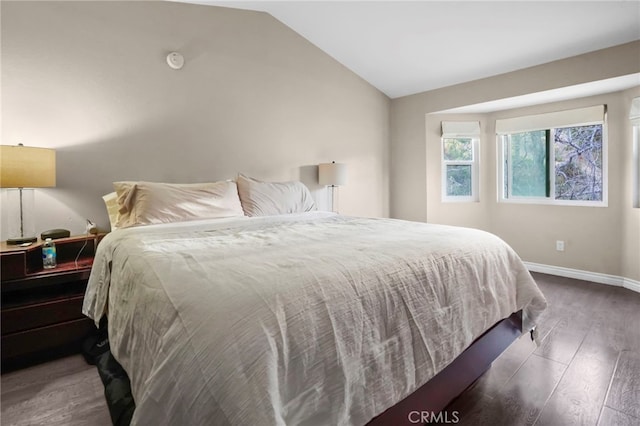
{"points": [[21, 240]]}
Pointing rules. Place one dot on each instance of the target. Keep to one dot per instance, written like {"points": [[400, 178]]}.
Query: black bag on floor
{"points": [[117, 389], [96, 343]]}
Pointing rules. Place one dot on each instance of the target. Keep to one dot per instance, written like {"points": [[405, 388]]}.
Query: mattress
{"points": [[300, 319]]}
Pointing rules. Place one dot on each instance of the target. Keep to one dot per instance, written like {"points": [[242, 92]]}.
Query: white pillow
{"points": [[145, 203], [111, 202], [273, 198]]}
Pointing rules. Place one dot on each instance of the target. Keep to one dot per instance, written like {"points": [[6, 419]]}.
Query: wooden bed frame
{"points": [[432, 397], [437, 393]]}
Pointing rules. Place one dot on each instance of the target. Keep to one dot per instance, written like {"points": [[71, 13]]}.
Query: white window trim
{"points": [[636, 166], [467, 130], [502, 197], [634, 116], [571, 117], [475, 172]]}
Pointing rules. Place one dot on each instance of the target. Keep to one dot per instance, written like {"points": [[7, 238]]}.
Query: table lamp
{"points": [[22, 169], [332, 175]]}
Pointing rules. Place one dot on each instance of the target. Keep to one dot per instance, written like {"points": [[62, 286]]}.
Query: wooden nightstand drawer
{"points": [[42, 308], [12, 265], [41, 314], [41, 339]]}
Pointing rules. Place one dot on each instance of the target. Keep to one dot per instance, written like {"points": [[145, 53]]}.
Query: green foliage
{"points": [[578, 163], [458, 180], [577, 167], [458, 149], [527, 164]]}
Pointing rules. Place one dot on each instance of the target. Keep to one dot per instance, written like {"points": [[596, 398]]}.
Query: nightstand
{"points": [[42, 308]]}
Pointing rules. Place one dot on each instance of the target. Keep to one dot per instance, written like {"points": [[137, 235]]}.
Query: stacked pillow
{"points": [[146, 203], [273, 198]]}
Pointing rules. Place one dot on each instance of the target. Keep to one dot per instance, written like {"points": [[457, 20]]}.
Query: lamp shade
{"points": [[27, 167], [333, 174]]}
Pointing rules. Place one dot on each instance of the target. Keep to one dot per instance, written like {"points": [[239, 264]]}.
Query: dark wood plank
{"points": [[62, 392], [470, 408], [522, 398], [612, 417], [502, 369], [562, 343], [624, 393], [600, 314], [581, 393]]}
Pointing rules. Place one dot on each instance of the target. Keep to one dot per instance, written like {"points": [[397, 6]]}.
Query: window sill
{"points": [[549, 202], [458, 200]]}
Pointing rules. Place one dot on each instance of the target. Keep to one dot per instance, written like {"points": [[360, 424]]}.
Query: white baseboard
{"points": [[578, 274], [631, 284]]}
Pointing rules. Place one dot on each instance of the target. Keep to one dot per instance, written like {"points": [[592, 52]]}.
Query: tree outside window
{"points": [[458, 158], [560, 164]]}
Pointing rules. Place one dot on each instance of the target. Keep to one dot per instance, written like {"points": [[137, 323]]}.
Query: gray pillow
{"points": [[273, 198]]}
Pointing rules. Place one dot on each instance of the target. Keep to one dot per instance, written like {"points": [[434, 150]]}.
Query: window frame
{"points": [[475, 170], [549, 199], [636, 166], [506, 138], [634, 117]]}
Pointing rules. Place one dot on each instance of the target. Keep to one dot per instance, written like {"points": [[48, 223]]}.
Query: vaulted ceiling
{"points": [[407, 47]]}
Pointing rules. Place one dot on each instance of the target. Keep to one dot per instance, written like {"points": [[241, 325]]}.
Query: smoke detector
{"points": [[175, 60]]}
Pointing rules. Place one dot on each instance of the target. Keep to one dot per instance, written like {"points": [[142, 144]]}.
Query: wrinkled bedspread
{"points": [[303, 319]]}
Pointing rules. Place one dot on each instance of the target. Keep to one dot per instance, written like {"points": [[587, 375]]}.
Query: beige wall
{"points": [[603, 240], [90, 80], [408, 149], [630, 215], [593, 235], [473, 215]]}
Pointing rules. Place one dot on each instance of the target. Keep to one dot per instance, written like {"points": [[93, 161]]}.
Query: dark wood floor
{"points": [[585, 372], [66, 392]]}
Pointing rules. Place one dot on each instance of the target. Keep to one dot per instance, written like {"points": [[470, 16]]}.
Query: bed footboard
{"points": [[437, 393]]}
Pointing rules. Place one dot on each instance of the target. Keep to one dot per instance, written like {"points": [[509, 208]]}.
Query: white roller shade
{"points": [[573, 117], [634, 114], [457, 129]]}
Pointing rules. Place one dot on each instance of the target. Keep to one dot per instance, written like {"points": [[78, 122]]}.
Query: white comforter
{"points": [[310, 319]]}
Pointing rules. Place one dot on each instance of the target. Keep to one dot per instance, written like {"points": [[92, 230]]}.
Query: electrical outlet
{"points": [[560, 245]]}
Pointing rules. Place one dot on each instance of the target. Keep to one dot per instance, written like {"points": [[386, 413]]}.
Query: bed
{"points": [[300, 319]]}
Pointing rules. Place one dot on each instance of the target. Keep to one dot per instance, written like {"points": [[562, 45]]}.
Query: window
{"points": [[556, 158], [460, 160], [526, 162], [634, 116]]}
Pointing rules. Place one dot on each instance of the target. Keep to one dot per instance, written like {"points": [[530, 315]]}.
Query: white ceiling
{"points": [[407, 47], [555, 95]]}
